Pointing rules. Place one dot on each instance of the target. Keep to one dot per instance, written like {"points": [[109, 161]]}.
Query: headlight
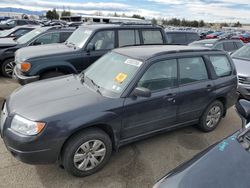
{"points": [[25, 126]]}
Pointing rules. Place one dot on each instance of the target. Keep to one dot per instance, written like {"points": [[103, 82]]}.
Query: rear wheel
{"points": [[211, 117], [87, 152], [8, 68], [51, 74]]}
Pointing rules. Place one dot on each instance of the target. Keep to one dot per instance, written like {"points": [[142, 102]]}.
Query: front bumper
{"points": [[244, 91], [17, 75], [32, 150]]}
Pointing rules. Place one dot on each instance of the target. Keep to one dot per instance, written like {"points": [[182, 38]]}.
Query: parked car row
{"points": [[118, 83]]}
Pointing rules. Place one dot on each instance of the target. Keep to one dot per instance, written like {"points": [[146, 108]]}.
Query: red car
{"points": [[214, 35]]}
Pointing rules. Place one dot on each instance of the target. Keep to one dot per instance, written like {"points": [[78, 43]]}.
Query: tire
{"points": [[7, 68], [79, 160], [211, 117], [51, 74]]}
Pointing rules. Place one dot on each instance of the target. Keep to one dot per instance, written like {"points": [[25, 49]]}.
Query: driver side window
{"points": [[160, 75], [104, 40]]}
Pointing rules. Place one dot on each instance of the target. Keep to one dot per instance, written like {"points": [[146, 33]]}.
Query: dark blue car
{"points": [[128, 94]]}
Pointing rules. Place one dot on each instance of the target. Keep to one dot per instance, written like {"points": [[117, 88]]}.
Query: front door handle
{"points": [[209, 87], [170, 97]]}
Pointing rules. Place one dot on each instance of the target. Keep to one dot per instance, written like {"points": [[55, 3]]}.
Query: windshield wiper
{"points": [[70, 44], [95, 85]]}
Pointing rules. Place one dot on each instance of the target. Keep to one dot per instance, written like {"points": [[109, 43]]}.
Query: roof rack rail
{"points": [[136, 23]]}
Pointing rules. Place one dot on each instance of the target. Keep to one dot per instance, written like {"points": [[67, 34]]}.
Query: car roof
{"points": [[212, 41], [108, 26], [148, 51]]}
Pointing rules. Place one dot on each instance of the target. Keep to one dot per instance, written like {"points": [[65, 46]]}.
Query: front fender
{"points": [[39, 68]]}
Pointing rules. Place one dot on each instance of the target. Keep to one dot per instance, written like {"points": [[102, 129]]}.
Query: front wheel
{"points": [[211, 117], [87, 152], [8, 68]]}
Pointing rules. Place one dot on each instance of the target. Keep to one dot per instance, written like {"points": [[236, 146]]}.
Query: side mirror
{"points": [[142, 92], [90, 47], [243, 108]]}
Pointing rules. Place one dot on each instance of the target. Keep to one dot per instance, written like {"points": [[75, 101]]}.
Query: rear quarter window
{"points": [[221, 64], [176, 38], [152, 37]]}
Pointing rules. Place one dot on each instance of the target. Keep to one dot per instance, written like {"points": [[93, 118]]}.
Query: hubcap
{"points": [[213, 116], [9, 67], [89, 155]]}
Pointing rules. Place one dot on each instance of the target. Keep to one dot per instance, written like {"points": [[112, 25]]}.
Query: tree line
{"points": [[53, 14]]}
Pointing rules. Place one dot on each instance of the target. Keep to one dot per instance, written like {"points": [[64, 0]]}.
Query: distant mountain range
{"points": [[22, 11]]}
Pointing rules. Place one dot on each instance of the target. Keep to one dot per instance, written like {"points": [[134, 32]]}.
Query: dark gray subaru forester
{"points": [[128, 94]]}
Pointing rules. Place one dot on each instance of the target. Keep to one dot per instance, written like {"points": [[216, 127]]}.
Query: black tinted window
{"points": [[229, 46], [48, 39], [160, 75], [104, 40], [221, 65], [128, 37], [239, 44], [64, 36], [192, 70], [176, 38], [152, 37], [21, 22], [191, 37]]}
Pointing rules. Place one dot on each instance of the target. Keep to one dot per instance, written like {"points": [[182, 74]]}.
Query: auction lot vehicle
{"points": [[9, 24], [128, 94], [17, 31], [241, 60], [224, 164], [181, 37], [85, 46], [39, 36], [227, 45]]}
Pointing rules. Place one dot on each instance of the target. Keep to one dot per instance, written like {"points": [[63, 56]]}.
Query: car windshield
{"points": [[6, 32], [30, 35], [79, 37], [242, 53], [112, 73]]}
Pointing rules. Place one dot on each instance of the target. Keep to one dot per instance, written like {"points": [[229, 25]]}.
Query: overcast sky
{"points": [[208, 10]]}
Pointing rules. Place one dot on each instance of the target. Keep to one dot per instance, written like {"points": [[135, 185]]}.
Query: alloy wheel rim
{"points": [[89, 155], [213, 116], [9, 67]]}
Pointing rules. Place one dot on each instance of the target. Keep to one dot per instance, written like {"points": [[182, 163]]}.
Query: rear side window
{"points": [[191, 37], [229, 46], [152, 37], [221, 65], [128, 37], [21, 22], [192, 70], [176, 38]]}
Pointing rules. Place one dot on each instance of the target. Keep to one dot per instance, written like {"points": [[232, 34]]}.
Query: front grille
{"points": [[243, 80]]}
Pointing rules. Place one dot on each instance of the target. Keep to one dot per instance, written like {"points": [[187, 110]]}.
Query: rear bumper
{"points": [[21, 79]]}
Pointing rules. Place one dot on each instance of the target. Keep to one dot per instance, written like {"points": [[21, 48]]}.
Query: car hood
{"points": [[7, 42], [42, 50], [224, 165], [56, 96], [242, 67]]}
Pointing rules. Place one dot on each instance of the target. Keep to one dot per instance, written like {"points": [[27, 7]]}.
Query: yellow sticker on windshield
{"points": [[121, 77]]}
